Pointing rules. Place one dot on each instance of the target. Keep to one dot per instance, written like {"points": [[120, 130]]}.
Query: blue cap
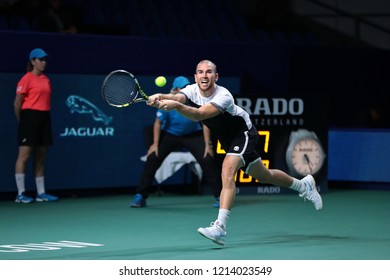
{"points": [[180, 82], [37, 53]]}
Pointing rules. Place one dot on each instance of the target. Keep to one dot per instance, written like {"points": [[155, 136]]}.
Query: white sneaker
{"points": [[311, 192], [215, 232]]}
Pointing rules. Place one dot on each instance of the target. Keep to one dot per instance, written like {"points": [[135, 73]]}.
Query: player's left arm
{"points": [[204, 112]]}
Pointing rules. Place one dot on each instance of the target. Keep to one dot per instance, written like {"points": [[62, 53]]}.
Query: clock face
{"points": [[307, 156]]}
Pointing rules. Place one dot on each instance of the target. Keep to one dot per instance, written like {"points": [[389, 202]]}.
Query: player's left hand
{"points": [[167, 105], [208, 151]]}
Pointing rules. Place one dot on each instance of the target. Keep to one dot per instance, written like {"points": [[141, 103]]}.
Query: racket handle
{"points": [[139, 100]]}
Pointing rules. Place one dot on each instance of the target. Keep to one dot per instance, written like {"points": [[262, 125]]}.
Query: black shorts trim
{"points": [[244, 145]]}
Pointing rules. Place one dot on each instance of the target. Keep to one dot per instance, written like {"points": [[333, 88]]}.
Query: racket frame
{"points": [[144, 97]]}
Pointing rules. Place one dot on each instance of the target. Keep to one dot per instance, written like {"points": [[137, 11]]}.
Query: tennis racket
{"points": [[121, 89]]}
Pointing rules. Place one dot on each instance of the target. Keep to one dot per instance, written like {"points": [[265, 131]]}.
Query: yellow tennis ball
{"points": [[160, 81]]}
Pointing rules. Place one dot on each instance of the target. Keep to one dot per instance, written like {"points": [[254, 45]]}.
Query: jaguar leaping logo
{"points": [[83, 106]]}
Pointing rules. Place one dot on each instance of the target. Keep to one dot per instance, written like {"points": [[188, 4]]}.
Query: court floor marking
{"points": [[45, 246]]}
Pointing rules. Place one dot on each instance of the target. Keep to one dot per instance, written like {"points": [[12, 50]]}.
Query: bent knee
{"points": [[228, 173]]}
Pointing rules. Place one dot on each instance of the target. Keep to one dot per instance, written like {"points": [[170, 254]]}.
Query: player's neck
{"points": [[208, 92], [36, 72]]}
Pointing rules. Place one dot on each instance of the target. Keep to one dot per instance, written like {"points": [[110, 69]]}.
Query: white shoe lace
{"points": [[307, 195], [216, 226]]}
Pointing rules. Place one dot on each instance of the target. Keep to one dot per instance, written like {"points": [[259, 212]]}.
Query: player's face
{"points": [[206, 77], [39, 64]]}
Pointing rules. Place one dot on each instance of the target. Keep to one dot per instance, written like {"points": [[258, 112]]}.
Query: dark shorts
{"points": [[35, 128], [244, 145]]}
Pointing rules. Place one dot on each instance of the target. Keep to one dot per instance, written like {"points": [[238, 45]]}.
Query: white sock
{"points": [[40, 182], [223, 216], [298, 185], [19, 178]]}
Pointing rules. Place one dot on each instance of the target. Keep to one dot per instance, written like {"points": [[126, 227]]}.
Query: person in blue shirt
{"points": [[170, 131]]}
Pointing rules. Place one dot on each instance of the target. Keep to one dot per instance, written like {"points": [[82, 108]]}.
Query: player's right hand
{"points": [[153, 149], [154, 100]]}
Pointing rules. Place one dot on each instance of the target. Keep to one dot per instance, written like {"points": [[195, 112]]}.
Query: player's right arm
{"points": [[155, 98], [18, 105]]}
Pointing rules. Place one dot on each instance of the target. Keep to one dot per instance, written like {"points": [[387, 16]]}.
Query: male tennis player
{"points": [[214, 105], [172, 130]]}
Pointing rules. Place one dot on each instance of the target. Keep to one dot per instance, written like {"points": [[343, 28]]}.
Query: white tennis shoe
{"points": [[215, 232], [311, 192]]}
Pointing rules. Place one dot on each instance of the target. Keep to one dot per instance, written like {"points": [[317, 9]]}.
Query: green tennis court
{"points": [[354, 225]]}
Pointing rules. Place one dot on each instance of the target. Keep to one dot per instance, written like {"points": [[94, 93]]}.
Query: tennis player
{"points": [[214, 105], [170, 131]]}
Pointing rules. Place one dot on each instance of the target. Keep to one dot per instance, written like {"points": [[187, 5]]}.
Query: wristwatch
{"points": [[304, 154]]}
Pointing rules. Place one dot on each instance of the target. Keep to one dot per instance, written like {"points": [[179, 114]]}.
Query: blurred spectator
{"points": [[25, 8], [379, 115], [6, 3], [53, 17]]}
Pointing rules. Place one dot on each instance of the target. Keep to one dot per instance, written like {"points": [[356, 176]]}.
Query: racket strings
{"points": [[120, 89]]}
